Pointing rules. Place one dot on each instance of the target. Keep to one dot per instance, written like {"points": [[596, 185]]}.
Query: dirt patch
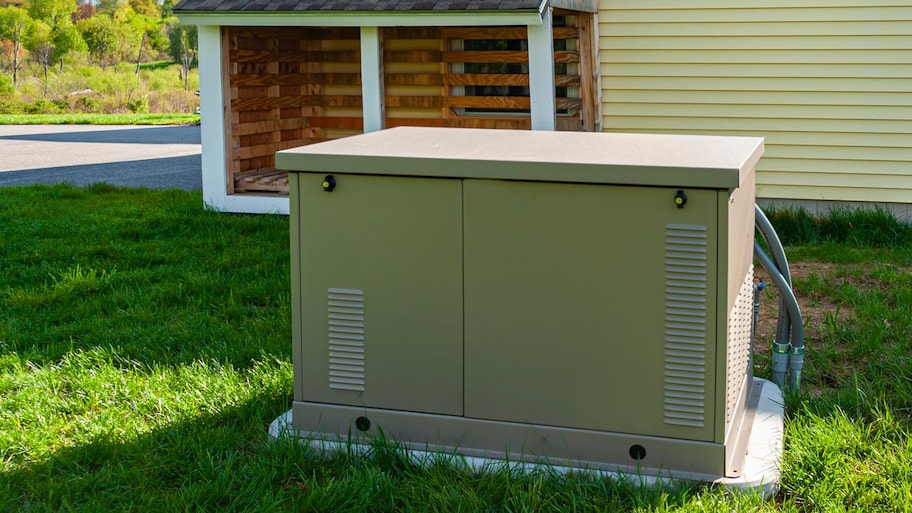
{"points": [[822, 314], [815, 306]]}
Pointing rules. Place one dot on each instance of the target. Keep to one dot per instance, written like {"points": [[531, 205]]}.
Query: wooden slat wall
{"points": [[412, 76], [453, 103], [291, 86], [280, 93], [420, 58]]}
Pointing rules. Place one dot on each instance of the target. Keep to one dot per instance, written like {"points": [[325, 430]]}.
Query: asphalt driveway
{"points": [[134, 156]]}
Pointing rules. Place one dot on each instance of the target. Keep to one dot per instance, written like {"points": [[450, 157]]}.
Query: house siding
{"points": [[828, 83]]}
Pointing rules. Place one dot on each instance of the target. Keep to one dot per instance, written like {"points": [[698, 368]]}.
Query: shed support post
{"points": [[214, 158], [590, 90], [541, 74], [372, 89]]}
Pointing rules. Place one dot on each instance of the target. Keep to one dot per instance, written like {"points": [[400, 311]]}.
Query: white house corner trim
{"points": [[372, 90], [541, 74], [212, 118]]}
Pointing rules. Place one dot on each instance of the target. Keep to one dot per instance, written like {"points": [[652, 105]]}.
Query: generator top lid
{"points": [[712, 162]]}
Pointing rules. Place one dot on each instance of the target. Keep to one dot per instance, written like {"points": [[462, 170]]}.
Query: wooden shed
{"points": [[280, 74], [826, 83]]}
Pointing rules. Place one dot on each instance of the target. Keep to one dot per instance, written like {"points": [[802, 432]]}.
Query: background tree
{"points": [[53, 33], [101, 37], [158, 38], [130, 33], [146, 8], [184, 43], [14, 26], [68, 40], [167, 8], [84, 11], [40, 43], [155, 41], [111, 7], [131, 28], [142, 26], [56, 13]]}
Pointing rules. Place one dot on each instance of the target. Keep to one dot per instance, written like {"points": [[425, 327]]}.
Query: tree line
{"points": [[109, 31]]}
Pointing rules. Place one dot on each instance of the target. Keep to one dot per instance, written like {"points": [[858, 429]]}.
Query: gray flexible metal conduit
{"points": [[788, 359], [786, 291], [779, 354], [780, 346], [780, 349], [773, 243]]}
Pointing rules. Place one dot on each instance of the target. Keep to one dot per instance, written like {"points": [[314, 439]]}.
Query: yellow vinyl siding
{"points": [[758, 12], [828, 83]]}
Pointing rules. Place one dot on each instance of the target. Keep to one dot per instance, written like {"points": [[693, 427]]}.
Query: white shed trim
{"points": [[541, 75], [212, 117], [372, 88]]}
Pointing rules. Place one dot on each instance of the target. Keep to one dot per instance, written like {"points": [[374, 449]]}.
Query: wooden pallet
{"points": [[272, 181]]}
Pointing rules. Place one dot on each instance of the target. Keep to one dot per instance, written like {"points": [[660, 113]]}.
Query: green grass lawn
{"points": [[99, 119], [145, 345]]}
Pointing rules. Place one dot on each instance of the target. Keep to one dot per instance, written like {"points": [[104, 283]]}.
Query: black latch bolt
{"points": [[680, 199], [329, 183]]}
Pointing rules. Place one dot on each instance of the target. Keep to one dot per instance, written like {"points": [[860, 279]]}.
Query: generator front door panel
{"points": [[381, 292], [571, 318]]}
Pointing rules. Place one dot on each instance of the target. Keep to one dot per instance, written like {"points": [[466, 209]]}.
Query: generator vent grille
{"points": [[346, 339], [739, 345], [685, 325]]}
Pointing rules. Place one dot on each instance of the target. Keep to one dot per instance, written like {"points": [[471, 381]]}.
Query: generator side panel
{"points": [[736, 221], [591, 307], [737, 228], [295, 268], [736, 232], [379, 320]]}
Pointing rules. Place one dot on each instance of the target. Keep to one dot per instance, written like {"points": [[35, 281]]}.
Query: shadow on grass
{"points": [[206, 463], [139, 275], [226, 462]]}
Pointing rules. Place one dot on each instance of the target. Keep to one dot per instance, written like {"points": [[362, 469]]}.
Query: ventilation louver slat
{"points": [[346, 339], [685, 325]]}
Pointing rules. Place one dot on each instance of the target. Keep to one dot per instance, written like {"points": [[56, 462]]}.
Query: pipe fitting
{"points": [[779, 363], [795, 364], [789, 320]]}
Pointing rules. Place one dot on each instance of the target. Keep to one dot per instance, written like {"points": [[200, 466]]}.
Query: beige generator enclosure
{"points": [[578, 299]]}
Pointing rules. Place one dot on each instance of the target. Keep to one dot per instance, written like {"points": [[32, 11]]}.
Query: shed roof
{"points": [[355, 5]]}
